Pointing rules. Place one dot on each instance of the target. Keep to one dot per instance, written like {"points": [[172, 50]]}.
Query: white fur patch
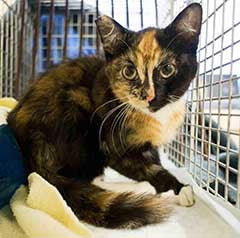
{"points": [[164, 114], [186, 196]]}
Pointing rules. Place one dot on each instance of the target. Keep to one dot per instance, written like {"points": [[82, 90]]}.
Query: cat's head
{"points": [[152, 67]]}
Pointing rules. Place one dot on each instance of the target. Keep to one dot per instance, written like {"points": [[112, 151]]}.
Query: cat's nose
{"points": [[151, 95]]}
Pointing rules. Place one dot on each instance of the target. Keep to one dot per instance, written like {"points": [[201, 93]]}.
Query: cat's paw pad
{"points": [[145, 187], [186, 196], [98, 180]]}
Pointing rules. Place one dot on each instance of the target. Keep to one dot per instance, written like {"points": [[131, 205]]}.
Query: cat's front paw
{"points": [[185, 197]]}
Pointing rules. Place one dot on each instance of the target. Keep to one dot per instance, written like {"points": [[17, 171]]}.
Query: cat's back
{"points": [[73, 73], [62, 91]]}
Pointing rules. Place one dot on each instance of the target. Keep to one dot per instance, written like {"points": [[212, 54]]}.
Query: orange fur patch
{"points": [[81, 97], [149, 129], [23, 116], [146, 129], [148, 46], [148, 55]]}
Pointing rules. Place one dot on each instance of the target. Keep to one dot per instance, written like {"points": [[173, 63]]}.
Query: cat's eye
{"points": [[167, 70], [129, 72]]}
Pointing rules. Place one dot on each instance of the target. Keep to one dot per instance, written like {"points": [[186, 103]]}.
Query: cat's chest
{"points": [[159, 128]]}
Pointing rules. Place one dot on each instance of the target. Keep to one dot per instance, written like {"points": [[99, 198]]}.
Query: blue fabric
{"points": [[12, 171]]}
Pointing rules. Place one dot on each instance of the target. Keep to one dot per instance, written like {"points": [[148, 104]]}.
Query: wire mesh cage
{"points": [[15, 46], [37, 34], [208, 143]]}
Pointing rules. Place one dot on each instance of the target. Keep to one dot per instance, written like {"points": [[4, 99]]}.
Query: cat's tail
{"points": [[100, 207]]}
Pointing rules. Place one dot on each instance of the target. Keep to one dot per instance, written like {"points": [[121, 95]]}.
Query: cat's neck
{"points": [[158, 128], [163, 115]]}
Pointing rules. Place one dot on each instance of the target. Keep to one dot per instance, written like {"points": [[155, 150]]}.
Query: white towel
{"points": [[41, 212]]}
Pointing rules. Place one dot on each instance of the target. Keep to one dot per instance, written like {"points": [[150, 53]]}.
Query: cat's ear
{"points": [[187, 25], [113, 35]]}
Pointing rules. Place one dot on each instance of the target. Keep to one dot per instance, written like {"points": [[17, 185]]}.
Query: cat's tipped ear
{"points": [[112, 34], [188, 23]]}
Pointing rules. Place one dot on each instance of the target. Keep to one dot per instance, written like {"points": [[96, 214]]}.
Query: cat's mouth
{"points": [[152, 106], [156, 105], [153, 109], [148, 107]]}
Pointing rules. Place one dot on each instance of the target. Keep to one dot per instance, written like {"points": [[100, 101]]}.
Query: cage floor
{"points": [[198, 221]]}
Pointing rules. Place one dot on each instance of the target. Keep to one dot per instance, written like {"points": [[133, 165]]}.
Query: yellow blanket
{"points": [[8, 102], [6, 105]]}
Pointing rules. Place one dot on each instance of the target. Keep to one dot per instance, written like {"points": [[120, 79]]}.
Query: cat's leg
{"points": [[141, 166], [121, 187], [185, 197]]}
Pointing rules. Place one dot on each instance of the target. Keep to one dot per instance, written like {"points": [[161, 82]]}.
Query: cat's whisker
{"points": [[120, 129], [129, 110], [171, 101], [113, 126], [103, 105], [106, 117], [174, 97], [123, 117]]}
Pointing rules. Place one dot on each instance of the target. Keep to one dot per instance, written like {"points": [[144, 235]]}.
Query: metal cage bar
{"points": [[49, 38], [97, 35], [35, 38], [156, 11], [20, 50], [65, 31], [141, 13], [112, 8], [127, 13], [81, 28]]}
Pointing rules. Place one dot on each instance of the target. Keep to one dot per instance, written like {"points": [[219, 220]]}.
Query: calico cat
{"points": [[89, 113]]}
